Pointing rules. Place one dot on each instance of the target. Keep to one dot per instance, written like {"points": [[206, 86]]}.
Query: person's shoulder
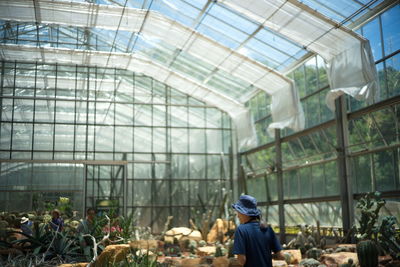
{"points": [[244, 227]]}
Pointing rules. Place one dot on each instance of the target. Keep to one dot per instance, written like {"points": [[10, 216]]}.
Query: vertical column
{"points": [[279, 175], [84, 190], [346, 197], [125, 185], [241, 182], [1, 98]]}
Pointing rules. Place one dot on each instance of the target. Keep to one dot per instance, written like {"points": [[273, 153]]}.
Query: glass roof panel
{"points": [[192, 66], [264, 53], [228, 85], [228, 16], [339, 10], [155, 49], [277, 42], [221, 32], [178, 10]]}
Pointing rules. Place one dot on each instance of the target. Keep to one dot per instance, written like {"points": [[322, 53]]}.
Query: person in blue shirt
{"points": [[253, 242], [56, 223], [26, 226]]}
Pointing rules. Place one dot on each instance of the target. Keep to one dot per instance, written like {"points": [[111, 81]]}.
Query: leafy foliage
{"points": [[370, 206]]}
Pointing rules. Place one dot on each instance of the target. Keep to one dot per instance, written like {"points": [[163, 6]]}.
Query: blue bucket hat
{"points": [[247, 205]]}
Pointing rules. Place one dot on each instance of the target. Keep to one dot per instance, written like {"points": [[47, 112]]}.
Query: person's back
{"points": [[256, 244], [253, 242]]}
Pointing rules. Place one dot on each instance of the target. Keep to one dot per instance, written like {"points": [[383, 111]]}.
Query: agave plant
{"points": [[64, 247], [38, 241]]}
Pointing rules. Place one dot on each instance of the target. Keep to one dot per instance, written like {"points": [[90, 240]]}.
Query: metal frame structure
{"points": [[89, 103]]}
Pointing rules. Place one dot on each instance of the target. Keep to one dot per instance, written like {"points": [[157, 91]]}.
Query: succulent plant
{"points": [[367, 253]]}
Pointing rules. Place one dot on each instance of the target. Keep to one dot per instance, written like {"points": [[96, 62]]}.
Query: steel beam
{"points": [[279, 174], [346, 194]]}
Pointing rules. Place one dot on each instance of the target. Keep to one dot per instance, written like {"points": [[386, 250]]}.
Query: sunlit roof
{"points": [[212, 50]]}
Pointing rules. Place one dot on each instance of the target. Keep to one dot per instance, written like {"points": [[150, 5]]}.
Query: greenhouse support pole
{"points": [[346, 197], [84, 192], [279, 175], [125, 209]]}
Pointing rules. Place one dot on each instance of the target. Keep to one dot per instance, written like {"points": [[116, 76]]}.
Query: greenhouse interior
{"points": [[142, 132]]}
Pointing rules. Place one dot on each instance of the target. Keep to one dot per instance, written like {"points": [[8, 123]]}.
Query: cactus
{"points": [[314, 253], [230, 249], [369, 206], [389, 241], [309, 263], [367, 253], [218, 252], [202, 243]]}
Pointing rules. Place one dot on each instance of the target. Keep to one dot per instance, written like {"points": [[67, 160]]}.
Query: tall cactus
{"points": [[367, 253]]}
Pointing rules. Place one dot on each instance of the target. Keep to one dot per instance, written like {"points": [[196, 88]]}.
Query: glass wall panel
{"points": [[270, 214], [176, 149], [257, 187], [390, 28], [393, 76], [327, 213], [372, 33], [29, 186]]}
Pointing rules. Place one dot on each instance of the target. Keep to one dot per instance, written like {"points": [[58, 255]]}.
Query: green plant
{"points": [[367, 253], [38, 241], [369, 206], [314, 253], [64, 247], [389, 240], [309, 263], [126, 224], [65, 206], [218, 252]]}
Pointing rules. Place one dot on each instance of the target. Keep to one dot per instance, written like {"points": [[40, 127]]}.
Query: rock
{"points": [[384, 259], [112, 254], [82, 264], [16, 235], [219, 229], [309, 263], [206, 251], [144, 244], [173, 262], [279, 263], [339, 258], [233, 262], [220, 262], [181, 233], [347, 247], [207, 260], [190, 262], [294, 256]]}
